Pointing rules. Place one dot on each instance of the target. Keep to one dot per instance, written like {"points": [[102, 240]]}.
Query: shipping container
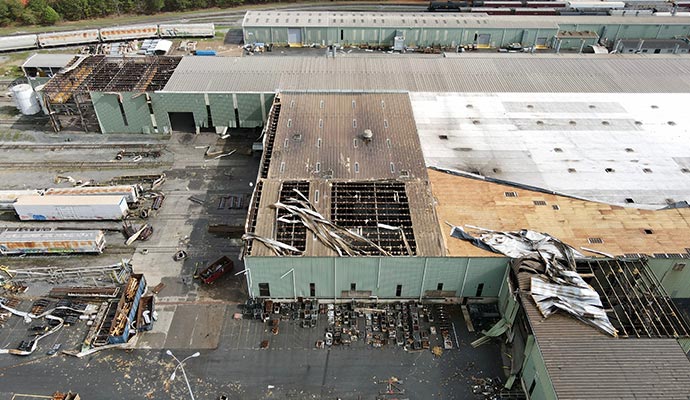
{"points": [[70, 208], [129, 191], [129, 32], [51, 242], [186, 30], [18, 42], [8, 197], [67, 38]]}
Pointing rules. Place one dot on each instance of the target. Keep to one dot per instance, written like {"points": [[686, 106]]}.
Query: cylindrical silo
{"points": [[25, 99]]}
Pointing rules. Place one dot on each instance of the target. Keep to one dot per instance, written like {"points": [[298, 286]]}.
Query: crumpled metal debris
{"points": [[554, 284], [341, 240]]}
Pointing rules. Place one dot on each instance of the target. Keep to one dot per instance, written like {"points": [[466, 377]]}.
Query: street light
{"points": [[181, 366]]}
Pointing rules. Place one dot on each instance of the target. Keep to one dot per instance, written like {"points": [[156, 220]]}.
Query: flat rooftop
{"points": [[608, 228], [471, 73], [370, 187], [623, 148]]}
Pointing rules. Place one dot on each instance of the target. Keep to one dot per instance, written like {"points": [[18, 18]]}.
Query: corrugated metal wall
{"points": [[450, 36], [675, 282], [222, 110], [534, 372], [163, 103], [381, 276], [136, 118]]}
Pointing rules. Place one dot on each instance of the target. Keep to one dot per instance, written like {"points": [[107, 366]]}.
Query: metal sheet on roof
{"points": [[468, 73], [389, 20], [586, 364], [48, 60], [634, 147]]}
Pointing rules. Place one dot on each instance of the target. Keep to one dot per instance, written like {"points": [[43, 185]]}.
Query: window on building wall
{"points": [[312, 289], [439, 287], [353, 287], [264, 290], [398, 291]]}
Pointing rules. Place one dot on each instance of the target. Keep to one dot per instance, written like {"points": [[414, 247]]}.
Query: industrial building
{"points": [[211, 94], [453, 30]]}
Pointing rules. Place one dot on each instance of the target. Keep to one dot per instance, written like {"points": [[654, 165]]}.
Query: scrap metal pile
{"points": [[554, 282], [410, 325]]}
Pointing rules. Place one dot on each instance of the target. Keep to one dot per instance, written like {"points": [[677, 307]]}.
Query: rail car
{"points": [[88, 36]]}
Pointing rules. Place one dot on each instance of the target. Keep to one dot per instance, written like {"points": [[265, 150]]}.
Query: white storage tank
{"points": [[70, 208], [25, 99], [67, 38]]}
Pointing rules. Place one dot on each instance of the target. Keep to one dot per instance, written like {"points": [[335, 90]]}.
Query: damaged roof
{"points": [[608, 228], [584, 363], [375, 188], [635, 147]]}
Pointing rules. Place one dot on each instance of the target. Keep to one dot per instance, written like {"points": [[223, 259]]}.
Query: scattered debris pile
{"points": [[549, 264], [411, 325]]}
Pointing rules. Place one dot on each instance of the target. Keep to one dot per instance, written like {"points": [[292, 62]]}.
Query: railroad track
{"points": [[72, 145], [85, 165]]}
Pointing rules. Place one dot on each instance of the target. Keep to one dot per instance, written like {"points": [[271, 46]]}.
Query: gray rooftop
{"points": [[389, 20], [465, 73], [44, 60], [438, 20]]}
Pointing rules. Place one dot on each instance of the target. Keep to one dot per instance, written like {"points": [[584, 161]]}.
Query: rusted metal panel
{"points": [[25, 242], [129, 191], [129, 32]]}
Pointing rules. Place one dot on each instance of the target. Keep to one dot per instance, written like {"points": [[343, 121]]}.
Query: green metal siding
{"points": [[110, 117], [378, 275], [250, 111], [166, 102], [674, 282], [533, 370], [222, 109]]}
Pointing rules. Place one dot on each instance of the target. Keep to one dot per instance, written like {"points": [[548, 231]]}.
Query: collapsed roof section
{"points": [[110, 74], [346, 171]]}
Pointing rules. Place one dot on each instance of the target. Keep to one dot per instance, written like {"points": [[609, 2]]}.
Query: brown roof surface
{"points": [[586, 364], [326, 129], [467, 201], [297, 150]]}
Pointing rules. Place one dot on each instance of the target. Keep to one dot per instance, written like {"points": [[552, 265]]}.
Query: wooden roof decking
{"points": [[466, 201]]}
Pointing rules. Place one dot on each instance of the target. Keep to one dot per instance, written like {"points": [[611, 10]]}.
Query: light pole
{"points": [[294, 286], [181, 366]]}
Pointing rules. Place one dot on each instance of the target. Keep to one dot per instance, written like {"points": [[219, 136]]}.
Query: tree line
{"points": [[49, 12]]}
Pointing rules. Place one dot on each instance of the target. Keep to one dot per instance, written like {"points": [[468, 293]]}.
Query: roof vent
{"points": [[368, 135]]}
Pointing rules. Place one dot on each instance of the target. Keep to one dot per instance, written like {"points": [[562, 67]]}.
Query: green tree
{"points": [[15, 8], [49, 16], [72, 10], [153, 6], [28, 17]]}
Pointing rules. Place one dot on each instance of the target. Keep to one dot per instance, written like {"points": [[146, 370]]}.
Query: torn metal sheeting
{"points": [[554, 282]]}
